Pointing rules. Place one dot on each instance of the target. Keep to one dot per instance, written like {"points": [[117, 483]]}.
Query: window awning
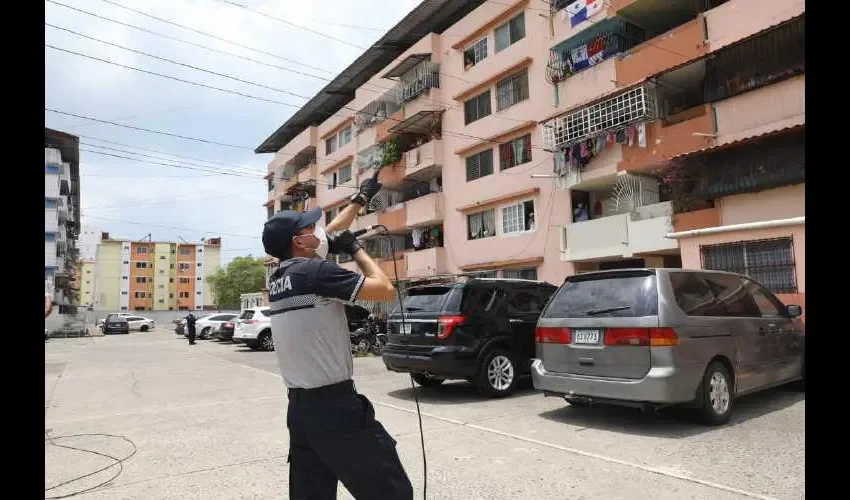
{"points": [[419, 123], [406, 65], [499, 199]]}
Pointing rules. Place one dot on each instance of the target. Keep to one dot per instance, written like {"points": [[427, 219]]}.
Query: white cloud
{"points": [[115, 190]]}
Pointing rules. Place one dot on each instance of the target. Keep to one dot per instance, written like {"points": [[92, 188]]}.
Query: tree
{"points": [[242, 275]]}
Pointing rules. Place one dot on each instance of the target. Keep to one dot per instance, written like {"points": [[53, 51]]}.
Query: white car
{"points": [[204, 326], [139, 323], [254, 328]]}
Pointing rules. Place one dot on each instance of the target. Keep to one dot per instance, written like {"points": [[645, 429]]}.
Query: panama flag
{"points": [[582, 10]]}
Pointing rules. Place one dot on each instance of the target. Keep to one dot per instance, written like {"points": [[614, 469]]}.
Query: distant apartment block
{"points": [[61, 216], [155, 276], [528, 139]]}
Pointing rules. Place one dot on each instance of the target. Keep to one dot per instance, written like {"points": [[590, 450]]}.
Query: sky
{"points": [[195, 198]]}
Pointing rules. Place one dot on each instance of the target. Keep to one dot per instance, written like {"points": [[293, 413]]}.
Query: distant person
{"points": [[190, 326]]}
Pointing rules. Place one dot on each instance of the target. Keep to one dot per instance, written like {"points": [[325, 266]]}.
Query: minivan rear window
{"points": [[628, 294], [427, 299]]}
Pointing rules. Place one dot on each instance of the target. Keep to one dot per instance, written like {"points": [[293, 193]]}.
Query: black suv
{"points": [[481, 330]]}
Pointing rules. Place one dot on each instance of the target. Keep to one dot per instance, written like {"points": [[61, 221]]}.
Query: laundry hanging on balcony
{"points": [[580, 154], [582, 10]]}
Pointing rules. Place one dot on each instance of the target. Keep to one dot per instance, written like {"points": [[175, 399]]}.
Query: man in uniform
{"points": [[333, 434], [190, 327]]}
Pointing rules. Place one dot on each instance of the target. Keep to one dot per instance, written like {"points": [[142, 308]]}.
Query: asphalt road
{"points": [[209, 421]]}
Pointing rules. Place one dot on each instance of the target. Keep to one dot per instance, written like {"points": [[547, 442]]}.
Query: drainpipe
{"points": [[794, 221]]}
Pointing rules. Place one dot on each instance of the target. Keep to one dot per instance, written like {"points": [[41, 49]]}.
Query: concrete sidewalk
{"points": [[206, 425]]}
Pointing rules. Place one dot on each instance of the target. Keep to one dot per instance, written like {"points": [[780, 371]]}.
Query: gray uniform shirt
{"points": [[307, 307]]}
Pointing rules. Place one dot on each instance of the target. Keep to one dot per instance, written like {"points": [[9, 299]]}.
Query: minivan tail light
{"points": [[445, 325], [552, 335], [652, 337]]}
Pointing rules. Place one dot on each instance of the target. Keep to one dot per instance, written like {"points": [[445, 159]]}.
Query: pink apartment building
{"points": [[539, 139]]}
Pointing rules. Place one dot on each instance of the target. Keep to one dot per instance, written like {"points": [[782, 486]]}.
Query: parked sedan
{"points": [[140, 323], [224, 331], [115, 323], [205, 325]]}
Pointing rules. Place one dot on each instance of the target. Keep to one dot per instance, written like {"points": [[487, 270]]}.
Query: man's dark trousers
{"points": [[333, 436], [191, 334]]}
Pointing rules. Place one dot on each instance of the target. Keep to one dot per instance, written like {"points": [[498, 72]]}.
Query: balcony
{"points": [[697, 219], [426, 263], [733, 21], [392, 175], [394, 218], [366, 220], [416, 81], [622, 235], [669, 140], [382, 129], [306, 175], [663, 52], [424, 210], [421, 160], [768, 109], [51, 220]]}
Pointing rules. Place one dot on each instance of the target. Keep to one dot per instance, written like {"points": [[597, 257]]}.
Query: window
{"points": [[127, 262], [139, 295], [518, 218], [510, 33], [330, 145], [330, 180], [184, 266], [515, 152], [476, 53], [345, 136], [171, 280], [479, 165], [162, 257], [49, 236], [170, 295], [520, 274], [525, 302], [477, 108], [141, 279], [693, 294], [200, 264], [185, 251], [184, 281], [512, 90], [50, 203], [626, 294], [123, 293], [88, 271], [732, 296], [141, 249], [769, 262], [344, 174], [184, 295], [481, 224], [765, 301], [171, 266], [199, 278], [198, 292], [141, 265]]}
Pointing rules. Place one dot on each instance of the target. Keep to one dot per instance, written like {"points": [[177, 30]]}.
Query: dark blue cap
{"points": [[279, 230]]}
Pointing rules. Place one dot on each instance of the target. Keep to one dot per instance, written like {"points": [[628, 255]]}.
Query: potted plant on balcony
{"points": [[390, 153]]}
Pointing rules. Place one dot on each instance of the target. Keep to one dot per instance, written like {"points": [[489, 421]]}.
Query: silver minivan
{"points": [[658, 337]]}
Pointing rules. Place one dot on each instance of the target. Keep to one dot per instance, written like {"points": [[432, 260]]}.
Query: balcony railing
{"points": [[377, 111], [424, 156], [627, 108], [424, 76], [425, 210], [591, 46], [622, 235]]}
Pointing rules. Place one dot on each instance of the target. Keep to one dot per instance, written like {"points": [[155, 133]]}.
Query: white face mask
{"points": [[322, 249]]}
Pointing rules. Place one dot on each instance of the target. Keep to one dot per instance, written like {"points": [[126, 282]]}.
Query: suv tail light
{"points": [[552, 335], [250, 321], [445, 325], [228, 325], [653, 337]]}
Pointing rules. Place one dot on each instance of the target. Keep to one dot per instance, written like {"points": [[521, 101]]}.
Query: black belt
{"points": [[339, 389]]}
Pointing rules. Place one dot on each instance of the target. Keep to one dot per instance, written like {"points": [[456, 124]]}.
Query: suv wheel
{"points": [[498, 374], [144, 328], [266, 341], [717, 395], [427, 381], [205, 334]]}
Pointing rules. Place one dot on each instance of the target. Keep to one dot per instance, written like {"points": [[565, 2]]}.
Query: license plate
{"points": [[404, 328], [586, 336]]}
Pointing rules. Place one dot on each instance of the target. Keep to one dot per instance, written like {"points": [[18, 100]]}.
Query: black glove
{"points": [[368, 189], [345, 242]]}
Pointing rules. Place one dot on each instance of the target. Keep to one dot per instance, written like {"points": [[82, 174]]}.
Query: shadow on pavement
{"points": [[674, 422], [457, 392]]}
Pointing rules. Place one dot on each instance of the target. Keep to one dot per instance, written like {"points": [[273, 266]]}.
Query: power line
{"points": [[167, 164], [330, 23], [244, 169], [216, 233], [284, 21], [186, 65], [189, 82], [187, 42], [206, 141]]}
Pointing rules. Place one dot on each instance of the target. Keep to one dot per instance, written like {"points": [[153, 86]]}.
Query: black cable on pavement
{"points": [[116, 461]]}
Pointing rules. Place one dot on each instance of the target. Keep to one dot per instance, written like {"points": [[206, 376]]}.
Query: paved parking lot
{"points": [[209, 422]]}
